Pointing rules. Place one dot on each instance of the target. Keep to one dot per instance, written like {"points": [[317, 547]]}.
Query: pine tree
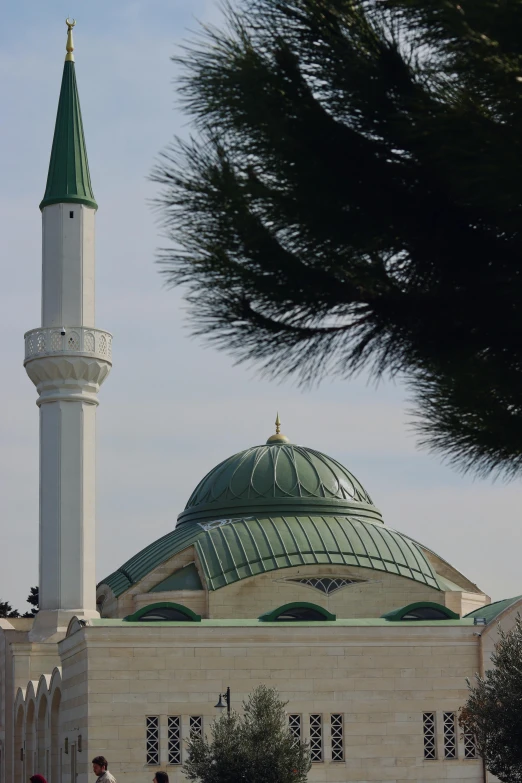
{"points": [[6, 610], [493, 711], [351, 198], [32, 599], [255, 747]]}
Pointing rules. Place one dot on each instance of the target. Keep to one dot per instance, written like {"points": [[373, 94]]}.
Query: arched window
{"points": [[41, 737], [19, 747], [297, 612], [425, 610], [56, 772], [30, 744], [164, 612]]}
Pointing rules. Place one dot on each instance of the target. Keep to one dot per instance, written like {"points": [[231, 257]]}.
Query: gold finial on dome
{"points": [[69, 57], [278, 437]]}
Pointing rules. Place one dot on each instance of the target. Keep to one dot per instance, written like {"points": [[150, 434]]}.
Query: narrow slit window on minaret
{"points": [[71, 214]]}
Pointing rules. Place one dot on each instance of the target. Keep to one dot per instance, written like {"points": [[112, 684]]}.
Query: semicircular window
{"points": [[425, 613], [297, 612], [165, 613], [425, 610], [326, 584]]}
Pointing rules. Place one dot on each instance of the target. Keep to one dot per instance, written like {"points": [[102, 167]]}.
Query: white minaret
{"points": [[67, 359]]}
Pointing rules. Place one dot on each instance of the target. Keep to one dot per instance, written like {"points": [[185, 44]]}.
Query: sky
{"points": [[173, 407]]}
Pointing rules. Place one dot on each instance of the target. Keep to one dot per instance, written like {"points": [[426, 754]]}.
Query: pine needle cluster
{"points": [[352, 198]]}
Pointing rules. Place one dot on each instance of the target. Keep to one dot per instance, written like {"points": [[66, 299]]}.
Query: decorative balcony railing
{"points": [[68, 340]]}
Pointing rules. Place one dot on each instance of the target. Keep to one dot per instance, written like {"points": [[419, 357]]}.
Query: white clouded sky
{"points": [[172, 408]]}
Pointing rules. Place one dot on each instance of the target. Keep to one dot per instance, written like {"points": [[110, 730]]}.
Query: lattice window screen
{"points": [[316, 738], [470, 746], [88, 342], [174, 739], [450, 735], [337, 736], [56, 341], [326, 584], [153, 745], [429, 726], [196, 725], [294, 725], [73, 341]]}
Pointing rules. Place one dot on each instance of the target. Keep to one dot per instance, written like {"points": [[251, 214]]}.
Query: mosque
{"points": [[280, 570]]}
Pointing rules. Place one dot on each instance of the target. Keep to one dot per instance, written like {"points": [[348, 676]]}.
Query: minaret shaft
{"points": [[67, 359], [68, 265], [67, 506]]}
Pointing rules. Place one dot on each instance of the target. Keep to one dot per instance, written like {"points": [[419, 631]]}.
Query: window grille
{"points": [[196, 726], [294, 726], [429, 726], [470, 746], [450, 735], [153, 749], [325, 584], [337, 737], [316, 738], [174, 739]]}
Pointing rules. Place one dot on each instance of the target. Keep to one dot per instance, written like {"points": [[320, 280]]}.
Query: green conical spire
{"points": [[69, 179]]}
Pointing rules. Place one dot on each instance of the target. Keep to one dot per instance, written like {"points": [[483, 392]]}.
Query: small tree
{"points": [[493, 711], [256, 747]]}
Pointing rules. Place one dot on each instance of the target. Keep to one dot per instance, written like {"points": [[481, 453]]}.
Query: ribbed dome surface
{"points": [[275, 474], [276, 506]]}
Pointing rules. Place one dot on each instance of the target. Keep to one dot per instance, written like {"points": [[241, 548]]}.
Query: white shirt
{"points": [[106, 777]]}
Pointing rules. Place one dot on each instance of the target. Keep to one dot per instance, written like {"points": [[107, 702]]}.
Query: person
{"points": [[37, 779], [100, 767], [161, 777]]}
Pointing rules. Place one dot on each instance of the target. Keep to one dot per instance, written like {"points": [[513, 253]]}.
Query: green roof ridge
{"points": [[68, 179]]}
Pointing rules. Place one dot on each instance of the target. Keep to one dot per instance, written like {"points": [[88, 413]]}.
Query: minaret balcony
{"points": [[68, 340], [68, 362]]}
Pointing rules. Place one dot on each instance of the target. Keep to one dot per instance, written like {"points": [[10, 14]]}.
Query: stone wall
{"points": [[376, 594], [380, 678]]}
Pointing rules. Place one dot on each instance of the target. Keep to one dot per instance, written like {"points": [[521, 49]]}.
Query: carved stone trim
{"points": [[68, 340]]}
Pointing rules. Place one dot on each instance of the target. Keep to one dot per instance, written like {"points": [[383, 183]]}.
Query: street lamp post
{"points": [[226, 697]]}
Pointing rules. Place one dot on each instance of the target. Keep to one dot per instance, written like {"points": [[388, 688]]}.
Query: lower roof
{"points": [[369, 622], [491, 611], [233, 549]]}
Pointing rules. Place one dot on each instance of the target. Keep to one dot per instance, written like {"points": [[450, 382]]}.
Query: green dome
{"points": [[279, 477], [275, 506]]}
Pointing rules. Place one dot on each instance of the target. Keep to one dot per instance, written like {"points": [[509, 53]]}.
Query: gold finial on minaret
{"points": [[69, 57], [278, 437]]}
